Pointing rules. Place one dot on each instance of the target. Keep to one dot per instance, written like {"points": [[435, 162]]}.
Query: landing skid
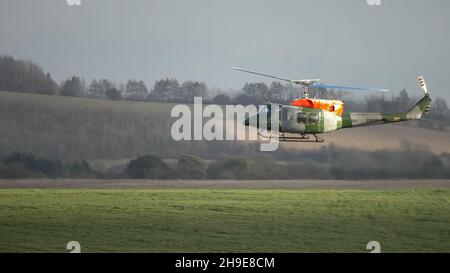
{"points": [[302, 138]]}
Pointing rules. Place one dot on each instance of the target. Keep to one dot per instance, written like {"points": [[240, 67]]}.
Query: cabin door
{"points": [[290, 122]]}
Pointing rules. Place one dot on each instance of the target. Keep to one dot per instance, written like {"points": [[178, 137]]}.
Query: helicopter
{"points": [[311, 116]]}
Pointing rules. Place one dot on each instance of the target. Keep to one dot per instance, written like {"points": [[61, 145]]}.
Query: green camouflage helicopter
{"points": [[306, 116]]}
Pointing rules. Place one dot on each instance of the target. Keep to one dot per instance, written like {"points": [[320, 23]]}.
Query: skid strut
{"points": [[318, 139], [301, 138]]}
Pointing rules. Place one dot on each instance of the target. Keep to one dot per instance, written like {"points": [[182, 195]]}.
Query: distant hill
{"points": [[387, 136], [71, 128]]}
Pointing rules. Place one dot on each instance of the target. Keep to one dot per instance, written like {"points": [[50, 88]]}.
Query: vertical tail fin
{"points": [[423, 106]]}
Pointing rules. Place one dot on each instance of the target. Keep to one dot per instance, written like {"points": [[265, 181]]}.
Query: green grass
{"points": [[224, 220]]}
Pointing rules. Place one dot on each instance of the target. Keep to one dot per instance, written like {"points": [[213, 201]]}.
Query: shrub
{"points": [[229, 168], [191, 167], [51, 168], [148, 167]]}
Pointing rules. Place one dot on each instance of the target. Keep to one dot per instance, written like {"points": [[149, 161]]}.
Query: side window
{"points": [[279, 113], [301, 117], [314, 118]]}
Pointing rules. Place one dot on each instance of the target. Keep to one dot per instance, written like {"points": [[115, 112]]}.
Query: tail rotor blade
{"points": [[423, 84]]}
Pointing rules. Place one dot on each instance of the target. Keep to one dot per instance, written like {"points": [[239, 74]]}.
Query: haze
{"points": [[342, 42]]}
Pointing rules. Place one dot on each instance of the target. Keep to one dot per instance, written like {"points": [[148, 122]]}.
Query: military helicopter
{"points": [[310, 116]]}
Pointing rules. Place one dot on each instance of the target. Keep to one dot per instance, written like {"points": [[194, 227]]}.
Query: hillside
{"points": [[69, 128], [388, 136]]}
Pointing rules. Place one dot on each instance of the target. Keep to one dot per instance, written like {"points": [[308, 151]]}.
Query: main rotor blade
{"points": [[311, 83], [329, 86], [261, 74]]}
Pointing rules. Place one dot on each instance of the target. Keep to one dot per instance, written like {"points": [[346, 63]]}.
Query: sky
{"points": [[342, 42]]}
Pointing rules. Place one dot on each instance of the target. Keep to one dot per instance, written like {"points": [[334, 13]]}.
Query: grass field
{"points": [[224, 220]]}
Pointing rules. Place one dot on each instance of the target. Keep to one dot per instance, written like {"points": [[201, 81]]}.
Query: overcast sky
{"points": [[342, 42]]}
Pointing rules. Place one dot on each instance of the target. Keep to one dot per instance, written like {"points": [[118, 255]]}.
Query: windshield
{"points": [[264, 109]]}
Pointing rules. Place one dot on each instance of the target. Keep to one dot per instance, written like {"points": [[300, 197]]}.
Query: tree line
{"points": [[26, 76], [26, 165], [328, 163]]}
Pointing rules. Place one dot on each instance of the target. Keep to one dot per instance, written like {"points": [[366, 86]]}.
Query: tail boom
{"points": [[368, 119]]}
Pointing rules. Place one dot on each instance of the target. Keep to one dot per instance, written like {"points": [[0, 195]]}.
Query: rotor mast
{"points": [[305, 92], [306, 84]]}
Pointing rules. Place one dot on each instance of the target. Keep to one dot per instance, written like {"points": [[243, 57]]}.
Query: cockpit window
{"points": [[263, 109]]}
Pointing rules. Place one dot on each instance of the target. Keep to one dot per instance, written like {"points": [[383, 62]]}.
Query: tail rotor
{"points": [[423, 85]]}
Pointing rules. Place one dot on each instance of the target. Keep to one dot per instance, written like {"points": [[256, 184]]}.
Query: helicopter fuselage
{"points": [[302, 120], [299, 120], [305, 120]]}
